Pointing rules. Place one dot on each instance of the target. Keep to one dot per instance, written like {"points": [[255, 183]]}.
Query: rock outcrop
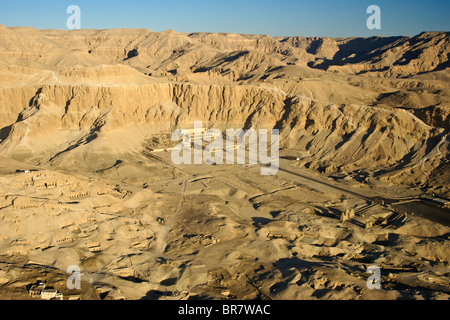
{"points": [[379, 104]]}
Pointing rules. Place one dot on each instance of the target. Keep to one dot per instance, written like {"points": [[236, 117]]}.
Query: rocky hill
{"points": [[377, 103]]}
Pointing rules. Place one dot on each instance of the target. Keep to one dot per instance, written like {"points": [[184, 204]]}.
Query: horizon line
{"points": [[213, 32]]}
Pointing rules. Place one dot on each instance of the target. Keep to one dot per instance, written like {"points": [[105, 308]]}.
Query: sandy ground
{"points": [[220, 231]]}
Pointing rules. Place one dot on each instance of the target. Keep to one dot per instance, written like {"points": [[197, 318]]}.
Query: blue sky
{"points": [[332, 18]]}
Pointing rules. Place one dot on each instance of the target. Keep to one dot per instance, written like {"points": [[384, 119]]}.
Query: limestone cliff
{"points": [[378, 104]]}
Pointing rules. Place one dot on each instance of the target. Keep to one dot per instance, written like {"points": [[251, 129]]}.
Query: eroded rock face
{"points": [[82, 87], [80, 110], [49, 119]]}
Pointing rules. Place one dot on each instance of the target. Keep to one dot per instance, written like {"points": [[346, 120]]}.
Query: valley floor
{"points": [[147, 229]]}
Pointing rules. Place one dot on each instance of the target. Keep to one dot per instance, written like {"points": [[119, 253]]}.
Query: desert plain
{"points": [[87, 177]]}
